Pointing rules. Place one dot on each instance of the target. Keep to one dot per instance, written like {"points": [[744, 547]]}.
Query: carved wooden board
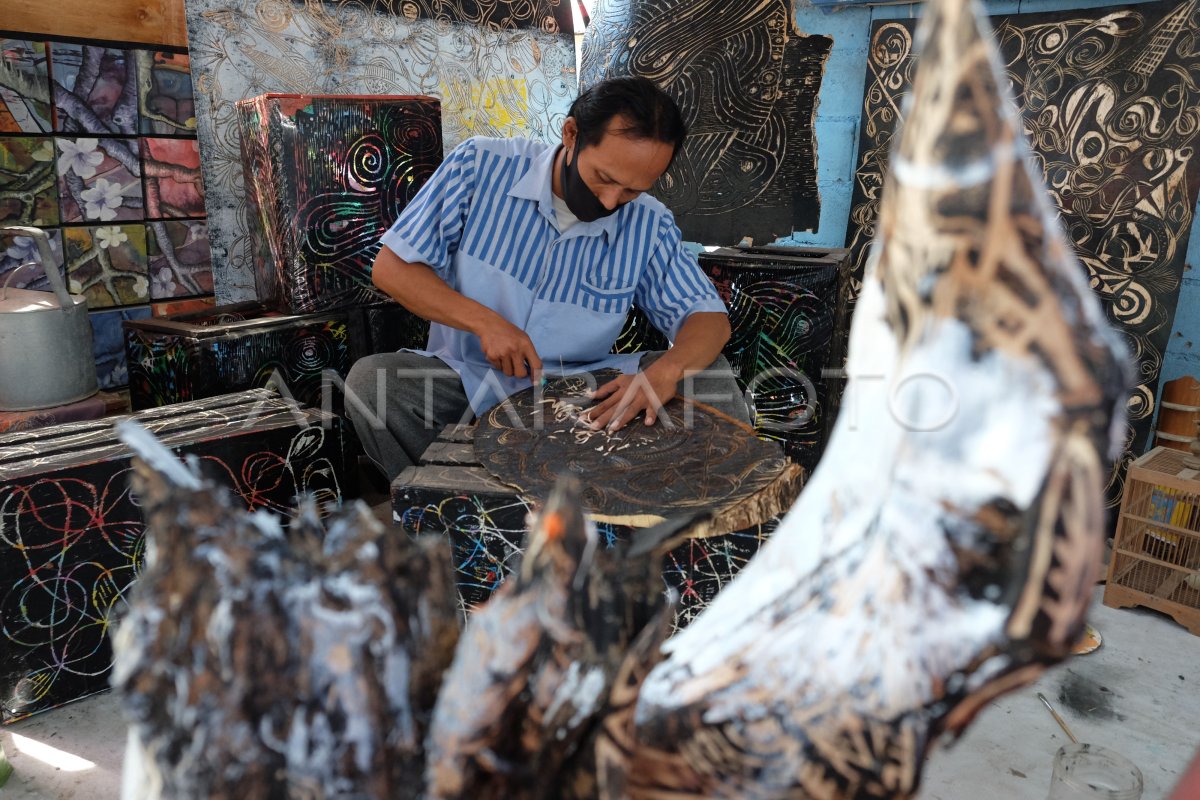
{"points": [[641, 474], [1108, 98]]}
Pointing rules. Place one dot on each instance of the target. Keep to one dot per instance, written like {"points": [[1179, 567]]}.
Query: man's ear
{"points": [[570, 132]]}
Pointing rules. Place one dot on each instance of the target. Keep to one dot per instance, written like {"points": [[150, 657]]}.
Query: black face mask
{"points": [[579, 198]]}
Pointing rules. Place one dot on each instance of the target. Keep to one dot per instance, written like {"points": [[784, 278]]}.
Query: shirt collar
{"points": [[535, 185]]}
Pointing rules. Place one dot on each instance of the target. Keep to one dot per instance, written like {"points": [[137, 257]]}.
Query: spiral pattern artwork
{"points": [[746, 81], [500, 68], [1110, 102], [326, 177], [215, 352], [71, 533], [787, 326]]}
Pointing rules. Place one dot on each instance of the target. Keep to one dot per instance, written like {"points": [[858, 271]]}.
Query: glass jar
{"points": [[1089, 772]]}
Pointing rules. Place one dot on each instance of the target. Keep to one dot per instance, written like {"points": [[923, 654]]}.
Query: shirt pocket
{"points": [[606, 290]]}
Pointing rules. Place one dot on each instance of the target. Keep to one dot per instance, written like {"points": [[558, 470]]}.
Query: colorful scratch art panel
{"points": [[99, 179], [108, 344], [86, 185], [486, 528], [24, 87], [180, 260], [28, 193], [788, 323], [71, 534], [492, 81], [232, 348], [16, 251], [173, 184], [165, 93], [1109, 100], [108, 264], [639, 335], [95, 89], [319, 211], [747, 85], [785, 313]]}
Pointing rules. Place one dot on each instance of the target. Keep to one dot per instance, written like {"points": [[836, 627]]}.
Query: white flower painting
{"points": [[102, 200], [99, 180], [110, 236], [79, 156]]}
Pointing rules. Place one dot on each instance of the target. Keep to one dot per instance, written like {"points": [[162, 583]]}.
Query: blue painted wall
{"points": [[837, 120]]}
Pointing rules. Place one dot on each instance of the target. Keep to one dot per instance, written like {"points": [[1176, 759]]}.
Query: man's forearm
{"points": [[697, 344], [419, 289]]}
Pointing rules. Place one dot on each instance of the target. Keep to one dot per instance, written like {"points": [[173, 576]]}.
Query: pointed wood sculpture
{"points": [[943, 552], [945, 549]]}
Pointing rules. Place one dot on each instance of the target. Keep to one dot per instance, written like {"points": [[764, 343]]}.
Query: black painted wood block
{"points": [[242, 346], [486, 521], [787, 308], [71, 532]]}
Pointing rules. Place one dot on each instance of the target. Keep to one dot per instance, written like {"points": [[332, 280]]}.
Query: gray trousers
{"points": [[399, 402]]}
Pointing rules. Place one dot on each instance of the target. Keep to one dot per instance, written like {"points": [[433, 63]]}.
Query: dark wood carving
{"points": [[747, 82], [1109, 102], [695, 459]]}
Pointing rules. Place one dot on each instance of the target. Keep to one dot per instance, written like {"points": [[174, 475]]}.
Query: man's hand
{"points": [[508, 348], [622, 399]]}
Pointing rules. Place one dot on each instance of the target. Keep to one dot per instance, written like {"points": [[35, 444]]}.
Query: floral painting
{"points": [[27, 193], [24, 87], [180, 259], [99, 180], [165, 93], [108, 345], [72, 163], [108, 264], [174, 187], [95, 89], [18, 250]]}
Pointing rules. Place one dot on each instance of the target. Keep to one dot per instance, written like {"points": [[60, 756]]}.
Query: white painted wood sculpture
{"points": [[945, 550], [943, 553]]}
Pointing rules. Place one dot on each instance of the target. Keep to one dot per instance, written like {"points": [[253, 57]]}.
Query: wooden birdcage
{"points": [[1156, 553]]}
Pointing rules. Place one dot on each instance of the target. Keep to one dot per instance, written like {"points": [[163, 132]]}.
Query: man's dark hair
{"points": [[652, 114]]}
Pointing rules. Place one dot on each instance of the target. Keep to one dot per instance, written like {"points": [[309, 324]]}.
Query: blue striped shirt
{"points": [[485, 223]]}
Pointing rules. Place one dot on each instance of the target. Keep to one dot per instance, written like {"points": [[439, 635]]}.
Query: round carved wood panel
{"points": [[638, 475]]}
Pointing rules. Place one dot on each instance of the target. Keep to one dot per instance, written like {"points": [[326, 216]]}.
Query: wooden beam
{"points": [[144, 21]]}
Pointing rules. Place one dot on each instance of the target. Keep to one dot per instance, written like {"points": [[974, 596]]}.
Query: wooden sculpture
{"points": [[943, 553], [259, 664], [945, 549]]}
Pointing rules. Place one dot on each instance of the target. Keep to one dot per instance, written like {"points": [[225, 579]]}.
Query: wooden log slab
{"points": [[450, 453], [639, 475], [457, 433]]}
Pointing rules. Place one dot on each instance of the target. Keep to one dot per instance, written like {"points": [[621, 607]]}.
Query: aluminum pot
{"points": [[45, 339]]}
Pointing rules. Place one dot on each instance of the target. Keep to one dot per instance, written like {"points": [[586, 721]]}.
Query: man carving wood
{"points": [[527, 257]]}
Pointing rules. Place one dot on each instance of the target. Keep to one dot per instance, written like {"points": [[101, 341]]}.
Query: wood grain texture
{"points": [[694, 458], [145, 21]]}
